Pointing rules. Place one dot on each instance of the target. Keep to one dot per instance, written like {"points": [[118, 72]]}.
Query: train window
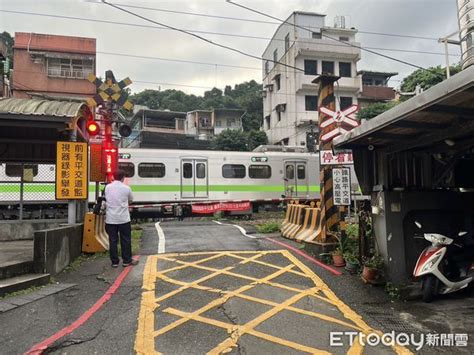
{"points": [[233, 171], [128, 169], [187, 170], [14, 170], [260, 171], [301, 172], [151, 170], [290, 172], [200, 170]]}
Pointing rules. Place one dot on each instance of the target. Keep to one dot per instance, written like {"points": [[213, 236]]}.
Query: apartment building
{"points": [[210, 123], [53, 66], [375, 87], [290, 97]]}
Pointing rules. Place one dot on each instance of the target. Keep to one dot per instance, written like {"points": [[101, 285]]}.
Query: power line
{"points": [[207, 32], [332, 38], [268, 22], [198, 36]]}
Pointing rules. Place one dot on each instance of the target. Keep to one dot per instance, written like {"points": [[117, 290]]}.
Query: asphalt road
{"points": [[203, 287]]}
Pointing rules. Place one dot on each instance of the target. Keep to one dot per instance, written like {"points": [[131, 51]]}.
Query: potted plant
{"points": [[352, 262], [337, 258], [371, 268]]}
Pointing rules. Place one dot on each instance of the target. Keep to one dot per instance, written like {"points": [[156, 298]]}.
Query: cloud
{"points": [[431, 18]]}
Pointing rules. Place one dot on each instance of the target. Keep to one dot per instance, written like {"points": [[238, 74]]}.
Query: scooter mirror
{"points": [[418, 224], [461, 234]]}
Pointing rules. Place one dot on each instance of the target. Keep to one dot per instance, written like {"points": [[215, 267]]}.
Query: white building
{"points": [[290, 97], [210, 123]]}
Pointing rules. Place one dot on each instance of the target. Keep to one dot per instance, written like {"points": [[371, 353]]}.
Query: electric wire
{"points": [[213, 33], [332, 38], [268, 22]]}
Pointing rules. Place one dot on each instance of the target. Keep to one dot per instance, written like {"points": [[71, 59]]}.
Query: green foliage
{"points": [[352, 230], [427, 78], [246, 96], [256, 138], [235, 140], [230, 139], [268, 227], [351, 258], [374, 262], [9, 41], [393, 291], [375, 109]]}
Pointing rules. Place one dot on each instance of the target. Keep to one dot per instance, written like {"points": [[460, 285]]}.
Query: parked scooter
{"points": [[444, 266]]}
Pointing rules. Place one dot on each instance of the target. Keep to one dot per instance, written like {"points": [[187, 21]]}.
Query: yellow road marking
{"points": [[146, 334]]}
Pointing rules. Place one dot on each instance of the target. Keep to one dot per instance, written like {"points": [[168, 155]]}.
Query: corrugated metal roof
{"points": [[40, 107]]}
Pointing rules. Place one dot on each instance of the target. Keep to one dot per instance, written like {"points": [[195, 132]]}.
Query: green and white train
{"points": [[173, 181]]}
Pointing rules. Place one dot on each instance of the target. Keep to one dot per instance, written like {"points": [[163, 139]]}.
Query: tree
{"points": [[246, 96], [375, 109], [256, 138], [231, 140], [427, 78], [9, 41]]}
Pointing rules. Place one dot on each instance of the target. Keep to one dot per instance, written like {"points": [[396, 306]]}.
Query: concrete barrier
{"points": [[56, 248]]}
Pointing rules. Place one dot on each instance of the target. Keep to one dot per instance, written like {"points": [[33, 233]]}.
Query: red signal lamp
{"points": [[92, 128]]}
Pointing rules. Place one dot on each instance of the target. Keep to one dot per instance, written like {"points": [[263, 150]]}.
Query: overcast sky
{"points": [[426, 18]]}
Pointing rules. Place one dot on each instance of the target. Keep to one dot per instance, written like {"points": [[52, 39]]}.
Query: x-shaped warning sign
{"points": [[337, 118]]}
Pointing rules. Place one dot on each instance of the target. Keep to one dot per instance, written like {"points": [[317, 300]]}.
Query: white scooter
{"points": [[439, 273]]}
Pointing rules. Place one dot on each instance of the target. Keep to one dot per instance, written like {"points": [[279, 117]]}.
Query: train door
{"points": [[296, 179], [194, 178]]}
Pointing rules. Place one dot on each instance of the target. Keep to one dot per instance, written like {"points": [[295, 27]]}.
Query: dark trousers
{"points": [[125, 232]]}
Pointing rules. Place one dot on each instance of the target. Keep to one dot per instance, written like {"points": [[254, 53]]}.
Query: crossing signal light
{"points": [[92, 128], [311, 141]]}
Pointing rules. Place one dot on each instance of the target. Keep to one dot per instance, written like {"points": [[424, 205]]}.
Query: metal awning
{"points": [[30, 128], [439, 118]]}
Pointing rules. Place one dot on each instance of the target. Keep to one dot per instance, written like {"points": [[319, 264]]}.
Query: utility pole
{"points": [[447, 41]]}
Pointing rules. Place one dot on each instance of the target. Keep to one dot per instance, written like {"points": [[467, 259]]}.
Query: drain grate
{"points": [[391, 322]]}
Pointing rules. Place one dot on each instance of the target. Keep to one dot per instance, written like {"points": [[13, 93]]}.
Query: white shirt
{"points": [[117, 196]]}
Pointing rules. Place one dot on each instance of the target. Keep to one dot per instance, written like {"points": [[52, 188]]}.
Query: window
{"points": [[279, 115], [14, 170], [187, 170], [290, 172], [287, 42], [310, 67], [200, 170], [301, 172], [344, 38], [268, 121], [328, 67], [378, 82], [128, 169], [151, 170], [266, 67], [367, 82], [311, 103], [345, 70], [275, 56], [277, 81], [233, 171], [70, 68], [316, 35], [260, 171], [345, 102]]}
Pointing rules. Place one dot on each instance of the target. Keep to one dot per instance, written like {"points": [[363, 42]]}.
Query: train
{"points": [[181, 182]]}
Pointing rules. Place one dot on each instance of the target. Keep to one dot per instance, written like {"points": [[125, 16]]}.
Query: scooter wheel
{"points": [[429, 288]]}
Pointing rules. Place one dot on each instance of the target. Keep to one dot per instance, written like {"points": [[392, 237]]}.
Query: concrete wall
{"points": [[22, 230], [54, 249], [443, 212]]}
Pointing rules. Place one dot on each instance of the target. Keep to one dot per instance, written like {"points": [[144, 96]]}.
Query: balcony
{"points": [[303, 118], [327, 48], [304, 83]]}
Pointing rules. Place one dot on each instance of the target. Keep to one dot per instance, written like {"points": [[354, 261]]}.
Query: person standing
{"points": [[117, 220]]}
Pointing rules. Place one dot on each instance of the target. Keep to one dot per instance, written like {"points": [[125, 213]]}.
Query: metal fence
{"points": [[27, 191]]}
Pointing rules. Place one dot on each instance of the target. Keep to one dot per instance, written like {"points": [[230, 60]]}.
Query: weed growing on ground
{"points": [[268, 227]]}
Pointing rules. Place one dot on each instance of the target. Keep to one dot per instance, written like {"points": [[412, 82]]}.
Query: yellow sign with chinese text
{"points": [[71, 171]]}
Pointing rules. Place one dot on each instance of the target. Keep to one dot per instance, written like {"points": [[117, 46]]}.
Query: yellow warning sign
{"points": [[71, 171]]}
